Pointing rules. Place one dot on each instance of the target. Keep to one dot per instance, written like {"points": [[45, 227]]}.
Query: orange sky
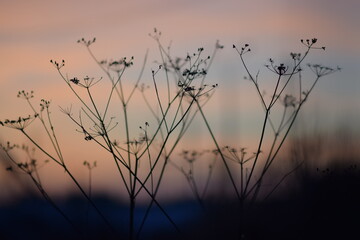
{"points": [[33, 32]]}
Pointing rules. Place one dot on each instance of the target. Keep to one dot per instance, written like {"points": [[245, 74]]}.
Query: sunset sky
{"points": [[33, 32]]}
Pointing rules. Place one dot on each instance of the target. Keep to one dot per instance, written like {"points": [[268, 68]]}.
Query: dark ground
{"points": [[325, 206]]}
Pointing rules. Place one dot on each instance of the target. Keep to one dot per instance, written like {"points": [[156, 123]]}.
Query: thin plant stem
{"points": [[219, 150], [73, 179]]}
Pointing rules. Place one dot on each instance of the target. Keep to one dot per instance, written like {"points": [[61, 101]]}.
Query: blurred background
{"points": [[33, 32]]}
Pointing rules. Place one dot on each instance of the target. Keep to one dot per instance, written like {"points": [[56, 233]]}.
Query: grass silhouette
{"points": [[142, 162]]}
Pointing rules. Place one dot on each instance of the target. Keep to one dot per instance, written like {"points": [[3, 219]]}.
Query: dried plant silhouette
{"points": [[143, 154]]}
